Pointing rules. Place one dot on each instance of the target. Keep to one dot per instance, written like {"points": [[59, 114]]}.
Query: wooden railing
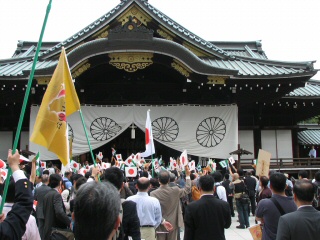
{"points": [[286, 163]]}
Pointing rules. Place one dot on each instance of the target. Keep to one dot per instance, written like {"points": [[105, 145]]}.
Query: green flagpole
{"points": [[24, 105], [85, 130]]}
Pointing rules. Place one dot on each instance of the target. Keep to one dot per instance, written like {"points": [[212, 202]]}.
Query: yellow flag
{"points": [[59, 101]]}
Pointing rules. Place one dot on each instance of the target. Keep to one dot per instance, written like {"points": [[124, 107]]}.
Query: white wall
{"points": [[246, 142], [5, 144], [277, 142]]}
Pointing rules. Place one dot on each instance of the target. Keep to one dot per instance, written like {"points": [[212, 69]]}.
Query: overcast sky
{"points": [[289, 29]]}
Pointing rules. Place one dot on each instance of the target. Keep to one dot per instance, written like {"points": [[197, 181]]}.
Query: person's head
{"points": [[312, 147], [143, 184], [68, 174], [96, 211], [55, 180], [249, 173], [302, 174], [278, 182], [235, 176], [172, 177], [317, 176], [79, 182], [114, 176], [206, 184], [75, 177], [154, 183], [226, 176], [217, 176], [45, 179], [46, 172], [303, 192], [49, 165], [241, 173], [264, 181], [144, 174], [164, 177]]}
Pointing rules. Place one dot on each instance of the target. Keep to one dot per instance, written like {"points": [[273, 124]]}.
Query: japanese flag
{"points": [[149, 138], [100, 156], [24, 159], [3, 165], [43, 164], [129, 162], [192, 165], [74, 165], [119, 157], [131, 171], [4, 173], [83, 171], [184, 158], [105, 165]]}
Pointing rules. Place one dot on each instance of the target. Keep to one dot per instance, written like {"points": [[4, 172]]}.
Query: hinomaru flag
{"points": [[59, 101], [149, 138]]}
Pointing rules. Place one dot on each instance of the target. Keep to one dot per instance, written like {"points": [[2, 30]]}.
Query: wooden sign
{"points": [[256, 232], [263, 164]]}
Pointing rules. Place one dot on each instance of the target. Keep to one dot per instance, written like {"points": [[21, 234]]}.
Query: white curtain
{"points": [[205, 131]]}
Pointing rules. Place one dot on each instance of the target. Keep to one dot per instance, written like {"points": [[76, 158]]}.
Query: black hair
{"points": [[75, 177], [115, 176], [317, 176], [154, 182], [164, 177], [144, 185], [264, 181], [95, 201], [45, 172], [278, 181], [226, 176], [217, 176], [54, 180], [303, 174], [79, 182], [304, 190], [206, 183]]}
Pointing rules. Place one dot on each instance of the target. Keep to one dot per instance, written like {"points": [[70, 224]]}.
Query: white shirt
{"points": [[313, 153], [148, 209], [221, 192]]}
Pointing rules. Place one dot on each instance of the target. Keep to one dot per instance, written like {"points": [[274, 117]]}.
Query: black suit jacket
{"points": [[39, 194], [14, 226], [130, 221], [54, 213], [206, 219], [301, 224]]}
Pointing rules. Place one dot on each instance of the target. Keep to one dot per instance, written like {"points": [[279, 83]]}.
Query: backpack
{"points": [[195, 193], [215, 194], [316, 198]]}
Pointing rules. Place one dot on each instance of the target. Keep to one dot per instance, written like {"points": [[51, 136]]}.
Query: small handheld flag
{"points": [[224, 163], [3, 165], [4, 173], [100, 156], [184, 158], [231, 160], [118, 157], [23, 159], [131, 171], [43, 164], [113, 151]]}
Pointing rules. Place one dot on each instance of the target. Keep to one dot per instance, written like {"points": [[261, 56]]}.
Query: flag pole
{"points": [[85, 130], [25, 101]]}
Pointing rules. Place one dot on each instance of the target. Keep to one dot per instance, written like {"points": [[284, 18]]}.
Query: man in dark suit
{"points": [[39, 194], [251, 184], [130, 221], [53, 208], [13, 225], [208, 217], [303, 223]]}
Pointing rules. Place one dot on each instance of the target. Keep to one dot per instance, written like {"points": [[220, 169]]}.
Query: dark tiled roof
{"points": [[311, 89], [309, 137], [161, 17]]}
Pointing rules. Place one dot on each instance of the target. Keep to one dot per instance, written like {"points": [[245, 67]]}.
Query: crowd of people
{"points": [[105, 204]]}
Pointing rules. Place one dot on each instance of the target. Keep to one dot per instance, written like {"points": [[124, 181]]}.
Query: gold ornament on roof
{"points": [[183, 70], [131, 62], [217, 79]]}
